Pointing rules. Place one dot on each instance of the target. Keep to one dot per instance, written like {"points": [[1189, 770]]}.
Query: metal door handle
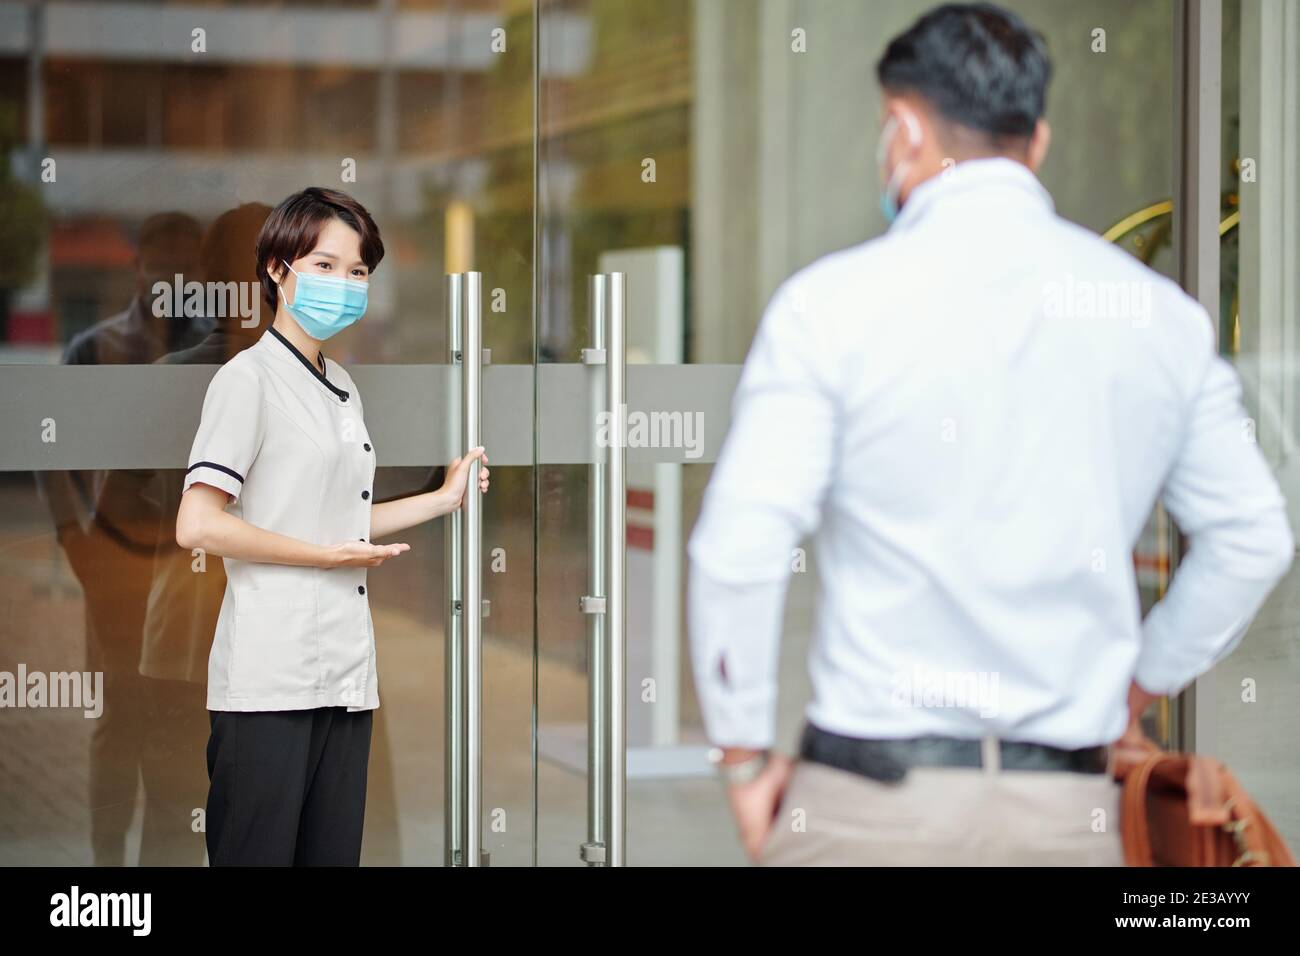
{"points": [[463, 813], [605, 604]]}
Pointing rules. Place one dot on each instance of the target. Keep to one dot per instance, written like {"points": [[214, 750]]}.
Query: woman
{"points": [[279, 484]]}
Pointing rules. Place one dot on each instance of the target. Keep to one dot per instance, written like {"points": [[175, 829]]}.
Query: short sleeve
{"points": [[230, 431]]}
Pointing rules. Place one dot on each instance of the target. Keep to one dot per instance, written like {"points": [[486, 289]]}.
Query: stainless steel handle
{"points": [[605, 603], [471, 568], [454, 649], [593, 604], [616, 568], [464, 659]]}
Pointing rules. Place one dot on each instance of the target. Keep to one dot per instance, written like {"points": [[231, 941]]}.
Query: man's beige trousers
{"points": [[946, 816]]}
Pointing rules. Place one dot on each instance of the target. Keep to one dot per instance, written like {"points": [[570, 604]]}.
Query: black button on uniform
{"points": [[365, 494], [366, 446], [361, 589]]}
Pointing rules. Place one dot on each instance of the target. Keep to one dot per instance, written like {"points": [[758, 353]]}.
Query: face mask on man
{"points": [[894, 181], [325, 305]]}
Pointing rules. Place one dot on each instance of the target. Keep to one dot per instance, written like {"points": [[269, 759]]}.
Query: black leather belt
{"points": [[888, 760]]}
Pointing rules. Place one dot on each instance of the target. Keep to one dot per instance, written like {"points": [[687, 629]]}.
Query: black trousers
{"points": [[287, 788]]}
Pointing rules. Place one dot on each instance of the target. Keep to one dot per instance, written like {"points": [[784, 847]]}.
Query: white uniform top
{"points": [[289, 444], [975, 414]]}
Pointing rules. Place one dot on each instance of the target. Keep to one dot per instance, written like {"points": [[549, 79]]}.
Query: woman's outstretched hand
{"points": [[458, 475], [362, 554]]}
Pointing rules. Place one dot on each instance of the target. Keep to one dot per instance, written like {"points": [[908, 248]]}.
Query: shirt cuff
{"points": [[740, 718], [217, 475], [1169, 661]]}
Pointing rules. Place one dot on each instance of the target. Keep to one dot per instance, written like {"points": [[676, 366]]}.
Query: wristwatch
{"points": [[739, 773]]}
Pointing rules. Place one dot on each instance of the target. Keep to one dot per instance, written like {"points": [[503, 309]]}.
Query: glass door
{"points": [[145, 143], [483, 300], [622, 774], [706, 151]]}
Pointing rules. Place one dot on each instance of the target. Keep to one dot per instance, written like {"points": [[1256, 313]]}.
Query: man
{"points": [[974, 414]]}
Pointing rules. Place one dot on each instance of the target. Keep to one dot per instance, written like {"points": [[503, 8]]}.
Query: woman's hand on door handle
{"points": [[458, 476], [390, 517]]}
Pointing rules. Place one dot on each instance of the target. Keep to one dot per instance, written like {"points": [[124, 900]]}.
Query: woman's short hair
{"points": [[293, 227]]}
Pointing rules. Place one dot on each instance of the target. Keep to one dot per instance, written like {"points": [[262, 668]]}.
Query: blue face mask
{"points": [[888, 207], [889, 195], [325, 305]]}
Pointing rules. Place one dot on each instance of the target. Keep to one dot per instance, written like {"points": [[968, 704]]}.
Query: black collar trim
{"points": [[320, 376]]}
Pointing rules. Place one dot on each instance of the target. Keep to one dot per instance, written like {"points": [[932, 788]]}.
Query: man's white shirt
{"points": [[974, 416]]}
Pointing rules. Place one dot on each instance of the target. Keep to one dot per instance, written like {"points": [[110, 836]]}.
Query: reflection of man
{"points": [[977, 449], [168, 246], [185, 595], [107, 526]]}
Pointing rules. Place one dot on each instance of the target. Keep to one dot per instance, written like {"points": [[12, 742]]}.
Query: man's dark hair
{"points": [[228, 250], [167, 228], [978, 65], [293, 227]]}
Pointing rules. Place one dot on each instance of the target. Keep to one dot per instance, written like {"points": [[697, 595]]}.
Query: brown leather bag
{"points": [[1189, 810]]}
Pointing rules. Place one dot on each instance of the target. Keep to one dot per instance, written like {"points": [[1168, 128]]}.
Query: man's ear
{"points": [[909, 124], [1038, 144]]}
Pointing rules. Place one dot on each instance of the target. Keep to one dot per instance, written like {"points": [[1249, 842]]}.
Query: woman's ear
{"points": [[276, 271]]}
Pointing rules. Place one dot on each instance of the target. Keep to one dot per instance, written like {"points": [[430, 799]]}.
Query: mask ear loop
{"points": [[913, 130], [895, 184], [280, 285], [886, 134]]}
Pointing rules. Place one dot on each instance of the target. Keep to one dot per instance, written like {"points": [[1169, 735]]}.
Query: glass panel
{"points": [[691, 145], [94, 583], [140, 166], [1244, 701], [483, 169]]}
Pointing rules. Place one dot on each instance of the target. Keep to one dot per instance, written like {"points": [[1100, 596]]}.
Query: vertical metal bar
{"points": [[472, 570], [1198, 82], [35, 90], [1199, 96], [453, 650], [536, 260], [597, 668], [616, 556]]}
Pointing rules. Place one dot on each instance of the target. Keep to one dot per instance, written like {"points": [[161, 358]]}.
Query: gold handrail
{"points": [[1135, 219], [1155, 211]]}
